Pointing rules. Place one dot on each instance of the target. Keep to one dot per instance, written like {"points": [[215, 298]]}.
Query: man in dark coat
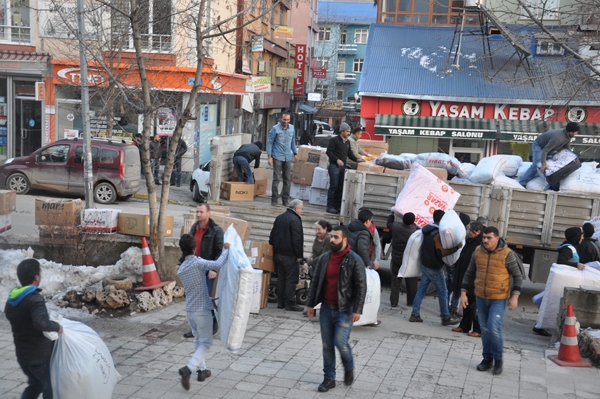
{"points": [[242, 158], [155, 156], [338, 150], [179, 153], [26, 311], [359, 236], [287, 239], [401, 232], [469, 317], [587, 249]]}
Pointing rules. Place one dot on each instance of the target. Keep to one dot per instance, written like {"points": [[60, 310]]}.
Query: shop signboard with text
{"points": [[258, 84], [299, 64]]}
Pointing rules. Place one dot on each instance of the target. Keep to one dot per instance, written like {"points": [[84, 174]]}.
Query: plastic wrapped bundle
{"points": [[440, 160], [399, 162], [488, 169]]}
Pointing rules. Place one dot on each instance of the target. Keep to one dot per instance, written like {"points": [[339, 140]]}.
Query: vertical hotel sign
{"points": [[300, 62]]}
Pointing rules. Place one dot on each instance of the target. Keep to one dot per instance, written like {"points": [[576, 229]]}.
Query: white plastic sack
{"points": [[522, 169], [487, 169], [505, 181], [513, 163], [234, 290], [423, 193], [562, 276], [588, 167], [468, 168], [558, 161], [452, 232], [440, 160], [81, 365], [372, 299], [581, 183], [538, 183], [411, 260]]}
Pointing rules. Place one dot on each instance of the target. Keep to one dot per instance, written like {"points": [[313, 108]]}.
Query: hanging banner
{"points": [[283, 32], [258, 84], [282, 72], [245, 65], [166, 119], [320, 73], [299, 63], [257, 44]]}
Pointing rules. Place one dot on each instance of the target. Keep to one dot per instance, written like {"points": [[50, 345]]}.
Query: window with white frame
{"points": [[544, 9], [339, 96], [323, 62], [361, 36], [343, 36], [156, 25], [15, 21], [547, 47], [324, 34], [323, 90], [341, 67], [357, 65]]}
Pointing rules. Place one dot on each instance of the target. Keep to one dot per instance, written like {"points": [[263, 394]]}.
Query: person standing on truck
{"points": [[242, 158], [491, 268], [552, 140], [356, 149], [401, 232], [281, 149], [587, 249]]}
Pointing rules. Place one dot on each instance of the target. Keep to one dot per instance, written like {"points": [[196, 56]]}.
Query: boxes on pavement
{"points": [[266, 281], [318, 196], [303, 172], [320, 178], [300, 191], [100, 220], [241, 226], [260, 255], [8, 201], [370, 167], [135, 224], [261, 179], [54, 212], [236, 191], [257, 289], [5, 223], [374, 147], [60, 235]]}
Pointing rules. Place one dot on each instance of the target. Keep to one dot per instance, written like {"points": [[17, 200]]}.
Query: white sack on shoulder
{"points": [[505, 181], [452, 230], [411, 260], [372, 299], [487, 169]]}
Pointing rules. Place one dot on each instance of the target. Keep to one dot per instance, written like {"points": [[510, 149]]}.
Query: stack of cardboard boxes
{"points": [[260, 255], [240, 191], [8, 204], [59, 221], [135, 224]]}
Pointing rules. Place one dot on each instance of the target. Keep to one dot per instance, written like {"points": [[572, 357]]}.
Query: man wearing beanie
{"points": [[587, 249], [356, 149], [338, 150], [401, 232], [552, 140]]}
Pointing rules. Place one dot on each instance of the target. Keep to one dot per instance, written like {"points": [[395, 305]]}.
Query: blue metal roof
{"points": [[409, 61], [347, 12]]}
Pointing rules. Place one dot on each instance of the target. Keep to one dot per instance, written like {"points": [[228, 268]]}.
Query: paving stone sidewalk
{"points": [[281, 358]]}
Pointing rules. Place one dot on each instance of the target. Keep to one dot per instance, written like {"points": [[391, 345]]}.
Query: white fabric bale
{"points": [[558, 161], [523, 168], [440, 160], [452, 230], [581, 183], [538, 183], [505, 181], [372, 299], [411, 260], [468, 168], [513, 163], [487, 169], [589, 167]]}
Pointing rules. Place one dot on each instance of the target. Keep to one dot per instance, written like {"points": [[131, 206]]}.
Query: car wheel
{"points": [[105, 193], [125, 197], [196, 194], [18, 182]]}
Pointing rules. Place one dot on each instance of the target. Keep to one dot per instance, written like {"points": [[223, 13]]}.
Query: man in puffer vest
{"points": [[492, 266]]}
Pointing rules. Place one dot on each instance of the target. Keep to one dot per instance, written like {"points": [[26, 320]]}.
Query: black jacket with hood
{"points": [[359, 239], [287, 235], [462, 264], [400, 234]]}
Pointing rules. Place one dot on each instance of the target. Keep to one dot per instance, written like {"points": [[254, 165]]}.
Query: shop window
{"points": [[357, 65], [361, 36], [155, 25], [324, 34], [15, 21]]}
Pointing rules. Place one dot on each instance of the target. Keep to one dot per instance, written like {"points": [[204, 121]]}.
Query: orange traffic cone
{"points": [[568, 353], [150, 281]]}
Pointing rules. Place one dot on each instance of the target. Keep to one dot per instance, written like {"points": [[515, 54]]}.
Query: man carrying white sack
{"points": [[552, 140]]}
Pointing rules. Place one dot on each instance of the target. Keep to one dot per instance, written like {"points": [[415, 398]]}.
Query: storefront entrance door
{"points": [[28, 126]]}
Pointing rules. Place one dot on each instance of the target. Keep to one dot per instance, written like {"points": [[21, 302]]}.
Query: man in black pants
{"points": [[26, 311], [401, 232], [287, 239]]}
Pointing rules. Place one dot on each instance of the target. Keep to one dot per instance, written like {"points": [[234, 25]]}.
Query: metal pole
{"points": [[88, 177]]}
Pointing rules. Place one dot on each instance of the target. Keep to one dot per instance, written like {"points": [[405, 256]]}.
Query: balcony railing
{"points": [[347, 49], [345, 78], [15, 34]]}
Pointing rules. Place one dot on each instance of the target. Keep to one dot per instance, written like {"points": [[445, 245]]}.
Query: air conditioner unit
{"points": [[262, 66]]}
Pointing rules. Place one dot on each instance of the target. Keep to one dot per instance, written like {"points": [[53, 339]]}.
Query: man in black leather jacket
{"points": [[340, 285], [359, 236], [26, 311]]}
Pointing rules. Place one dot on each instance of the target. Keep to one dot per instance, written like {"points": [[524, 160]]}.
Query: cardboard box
{"points": [[439, 172], [374, 147], [5, 223], [266, 282], [261, 179], [54, 212], [390, 171], [320, 178], [60, 235], [318, 196], [316, 155], [260, 255], [370, 167], [236, 191], [8, 201], [300, 191], [241, 226], [303, 172], [100, 220], [135, 224], [257, 289]]}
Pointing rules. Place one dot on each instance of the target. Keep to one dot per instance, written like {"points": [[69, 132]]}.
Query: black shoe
{"points": [[185, 374], [188, 334], [179, 185], [349, 377], [286, 203], [326, 385], [332, 210], [274, 203], [450, 321], [294, 308], [497, 367], [203, 374], [415, 318], [215, 326], [541, 331], [158, 183], [280, 306], [485, 365]]}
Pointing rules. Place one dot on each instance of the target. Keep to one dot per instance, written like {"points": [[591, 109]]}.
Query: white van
{"points": [[326, 128]]}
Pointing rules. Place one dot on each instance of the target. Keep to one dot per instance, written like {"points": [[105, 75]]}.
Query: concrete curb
{"points": [[144, 196]]}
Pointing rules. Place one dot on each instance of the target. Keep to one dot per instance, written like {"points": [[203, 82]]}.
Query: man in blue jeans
{"points": [[338, 151], [491, 267], [242, 158], [432, 253], [340, 284], [281, 149]]}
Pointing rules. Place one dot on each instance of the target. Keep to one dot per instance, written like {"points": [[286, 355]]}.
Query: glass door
{"points": [[28, 126]]}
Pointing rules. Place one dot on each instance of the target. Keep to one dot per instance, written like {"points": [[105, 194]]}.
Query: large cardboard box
{"points": [[266, 282], [260, 255], [303, 172], [439, 172], [312, 154], [318, 196], [374, 147], [135, 224], [261, 179], [320, 178], [8, 201], [391, 171], [236, 191], [370, 167], [241, 226], [100, 220], [300, 191], [55, 212], [5, 223], [257, 289], [60, 235]]}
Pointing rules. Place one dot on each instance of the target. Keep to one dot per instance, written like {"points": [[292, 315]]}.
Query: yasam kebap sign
{"points": [[434, 127]]}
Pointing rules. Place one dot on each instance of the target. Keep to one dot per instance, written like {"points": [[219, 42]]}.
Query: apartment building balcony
{"points": [[345, 78], [347, 49]]}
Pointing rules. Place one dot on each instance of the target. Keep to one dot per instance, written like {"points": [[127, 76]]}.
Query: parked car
{"points": [[326, 128], [199, 182], [59, 167]]}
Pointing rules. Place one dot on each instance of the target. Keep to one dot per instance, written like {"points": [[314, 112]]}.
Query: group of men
{"points": [[156, 149]]}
